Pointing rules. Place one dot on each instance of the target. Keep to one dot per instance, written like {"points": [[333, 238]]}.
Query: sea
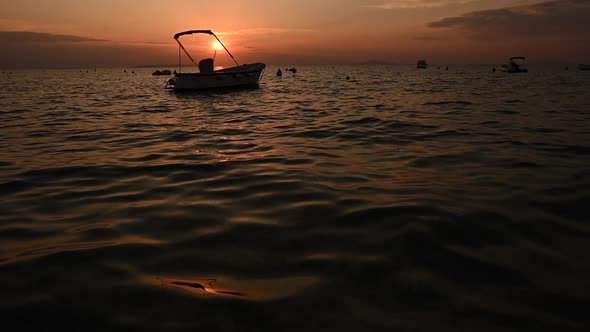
{"points": [[395, 200]]}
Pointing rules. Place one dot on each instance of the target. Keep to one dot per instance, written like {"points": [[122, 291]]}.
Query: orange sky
{"points": [[103, 33]]}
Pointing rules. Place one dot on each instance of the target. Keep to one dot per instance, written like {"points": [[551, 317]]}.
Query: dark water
{"points": [[399, 200]]}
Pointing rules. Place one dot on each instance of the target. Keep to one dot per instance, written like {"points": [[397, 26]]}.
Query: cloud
{"points": [[411, 4], [46, 50], [566, 19], [428, 38], [262, 31], [26, 37]]}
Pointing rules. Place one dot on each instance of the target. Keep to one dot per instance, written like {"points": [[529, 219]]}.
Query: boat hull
{"points": [[510, 69], [234, 77]]}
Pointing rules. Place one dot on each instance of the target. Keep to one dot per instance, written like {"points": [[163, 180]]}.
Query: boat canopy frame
{"points": [[190, 32]]}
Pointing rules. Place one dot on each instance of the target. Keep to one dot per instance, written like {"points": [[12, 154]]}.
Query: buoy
{"points": [[279, 73]]}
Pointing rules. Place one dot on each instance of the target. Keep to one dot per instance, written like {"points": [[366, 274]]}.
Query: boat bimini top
{"points": [[190, 32]]}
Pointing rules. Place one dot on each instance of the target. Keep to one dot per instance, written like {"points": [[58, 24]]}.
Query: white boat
{"points": [[208, 78], [584, 67], [421, 64], [515, 65]]}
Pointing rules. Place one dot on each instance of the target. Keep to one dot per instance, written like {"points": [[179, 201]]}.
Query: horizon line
{"points": [[158, 66]]}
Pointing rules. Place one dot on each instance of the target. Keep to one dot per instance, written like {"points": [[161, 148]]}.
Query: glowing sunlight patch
{"points": [[216, 45], [253, 290]]}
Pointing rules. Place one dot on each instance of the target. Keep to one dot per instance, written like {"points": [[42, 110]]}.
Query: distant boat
{"points": [[421, 64], [209, 78], [162, 72], [514, 65], [584, 66]]}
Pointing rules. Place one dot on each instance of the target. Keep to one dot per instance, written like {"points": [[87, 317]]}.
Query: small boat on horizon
{"points": [[421, 64], [164, 72], [584, 66], [239, 76], [514, 65]]}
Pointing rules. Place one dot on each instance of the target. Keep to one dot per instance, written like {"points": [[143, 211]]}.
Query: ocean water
{"points": [[398, 200]]}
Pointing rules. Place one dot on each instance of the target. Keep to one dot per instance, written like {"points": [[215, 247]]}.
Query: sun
{"points": [[216, 45]]}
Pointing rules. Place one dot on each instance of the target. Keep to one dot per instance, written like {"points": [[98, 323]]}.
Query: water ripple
{"points": [[396, 200]]}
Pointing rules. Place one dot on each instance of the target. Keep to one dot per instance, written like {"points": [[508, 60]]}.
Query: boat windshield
{"points": [[517, 60]]}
